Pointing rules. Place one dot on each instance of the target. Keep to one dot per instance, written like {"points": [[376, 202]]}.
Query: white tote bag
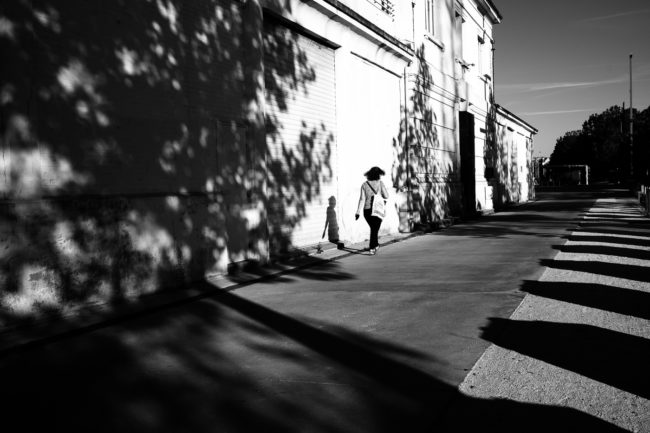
{"points": [[378, 204]]}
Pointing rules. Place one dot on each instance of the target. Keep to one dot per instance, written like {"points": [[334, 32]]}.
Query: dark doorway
{"points": [[467, 161]]}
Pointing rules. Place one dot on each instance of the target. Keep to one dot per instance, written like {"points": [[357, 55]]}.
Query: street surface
{"points": [[381, 343]]}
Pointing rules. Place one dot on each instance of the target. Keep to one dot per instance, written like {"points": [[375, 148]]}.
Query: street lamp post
{"points": [[631, 125]]}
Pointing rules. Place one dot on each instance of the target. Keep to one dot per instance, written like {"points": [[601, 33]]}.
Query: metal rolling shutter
{"points": [[300, 121]]}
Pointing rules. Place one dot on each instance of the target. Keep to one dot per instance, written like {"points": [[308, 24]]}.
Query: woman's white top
{"points": [[365, 198]]}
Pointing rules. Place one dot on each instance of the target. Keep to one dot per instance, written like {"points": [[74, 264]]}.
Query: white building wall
{"points": [[369, 119], [369, 87], [515, 150]]}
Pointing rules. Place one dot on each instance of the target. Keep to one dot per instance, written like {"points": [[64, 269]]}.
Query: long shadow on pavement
{"points": [[617, 270], [610, 357], [636, 222], [607, 230], [631, 253], [607, 298], [224, 363], [609, 240]]}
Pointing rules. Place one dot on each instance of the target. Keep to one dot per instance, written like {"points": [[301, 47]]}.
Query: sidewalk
{"points": [[580, 338]]}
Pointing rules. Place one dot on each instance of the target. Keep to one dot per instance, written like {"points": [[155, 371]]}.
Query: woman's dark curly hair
{"points": [[374, 173]]}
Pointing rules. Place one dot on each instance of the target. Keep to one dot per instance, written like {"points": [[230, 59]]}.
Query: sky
{"points": [[558, 61]]}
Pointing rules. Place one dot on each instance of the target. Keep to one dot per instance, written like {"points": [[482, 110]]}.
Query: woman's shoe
{"points": [[373, 251]]}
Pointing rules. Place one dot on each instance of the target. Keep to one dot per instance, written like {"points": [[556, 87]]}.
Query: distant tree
{"points": [[607, 138], [571, 149], [603, 144], [642, 146]]}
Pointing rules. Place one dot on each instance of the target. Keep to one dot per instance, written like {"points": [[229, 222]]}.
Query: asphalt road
{"points": [[361, 344]]}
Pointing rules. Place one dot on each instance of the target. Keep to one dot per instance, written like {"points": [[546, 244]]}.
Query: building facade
{"points": [[153, 144]]}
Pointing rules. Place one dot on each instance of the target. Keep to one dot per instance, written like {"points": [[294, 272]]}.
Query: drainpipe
{"points": [[407, 131], [407, 139]]}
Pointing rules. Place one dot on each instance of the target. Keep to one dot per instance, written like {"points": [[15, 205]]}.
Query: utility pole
{"points": [[631, 126]]}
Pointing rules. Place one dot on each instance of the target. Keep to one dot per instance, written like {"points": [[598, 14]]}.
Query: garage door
{"points": [[300, 135]]}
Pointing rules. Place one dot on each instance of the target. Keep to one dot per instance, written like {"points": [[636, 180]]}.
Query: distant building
{"points": [[540, 173], [513, 181], [569, 174]]}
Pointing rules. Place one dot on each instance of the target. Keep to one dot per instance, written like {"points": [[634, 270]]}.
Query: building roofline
{"points": [[517, 118], [364, 21], [491, 10]]}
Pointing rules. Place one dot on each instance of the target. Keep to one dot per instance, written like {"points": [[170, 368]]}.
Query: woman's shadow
{"points": [[332, 228], [332, 224]]}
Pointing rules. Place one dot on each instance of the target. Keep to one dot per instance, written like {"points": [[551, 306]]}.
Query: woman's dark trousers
{"points": [[374, 223]]}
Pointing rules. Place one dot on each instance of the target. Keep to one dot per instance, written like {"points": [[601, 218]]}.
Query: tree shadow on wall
{"points": [[135, 158], [224, 363], [423, 177], [497, 157]]}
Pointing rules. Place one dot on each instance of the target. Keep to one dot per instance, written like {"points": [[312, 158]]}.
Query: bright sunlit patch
{"points": [[202, 37], [168, 10], [147, 236], [130, 63], [35, 292], [173, 203], [102, 119], [37, 171], [159, 50], [75, 77], [7, 94], [62, 237], [7, 28], [82, 109]]}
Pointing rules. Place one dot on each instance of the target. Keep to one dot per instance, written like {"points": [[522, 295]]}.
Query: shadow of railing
{"points": [[607, 298], [610, 357]]}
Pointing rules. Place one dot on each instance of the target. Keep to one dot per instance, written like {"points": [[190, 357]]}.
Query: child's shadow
{"points": [[332, 224]]}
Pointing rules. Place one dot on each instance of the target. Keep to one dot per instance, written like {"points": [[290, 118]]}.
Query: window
{"points": [[386, 6], [429, 16], [479, 60]]}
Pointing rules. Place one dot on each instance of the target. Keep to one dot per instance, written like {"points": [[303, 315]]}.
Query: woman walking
{"points": [[371, 187]]}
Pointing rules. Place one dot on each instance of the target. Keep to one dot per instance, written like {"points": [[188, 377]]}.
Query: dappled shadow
{"points": [[606, 298], [610, 357], [136, 157], [224, 363], [424, 171]]}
